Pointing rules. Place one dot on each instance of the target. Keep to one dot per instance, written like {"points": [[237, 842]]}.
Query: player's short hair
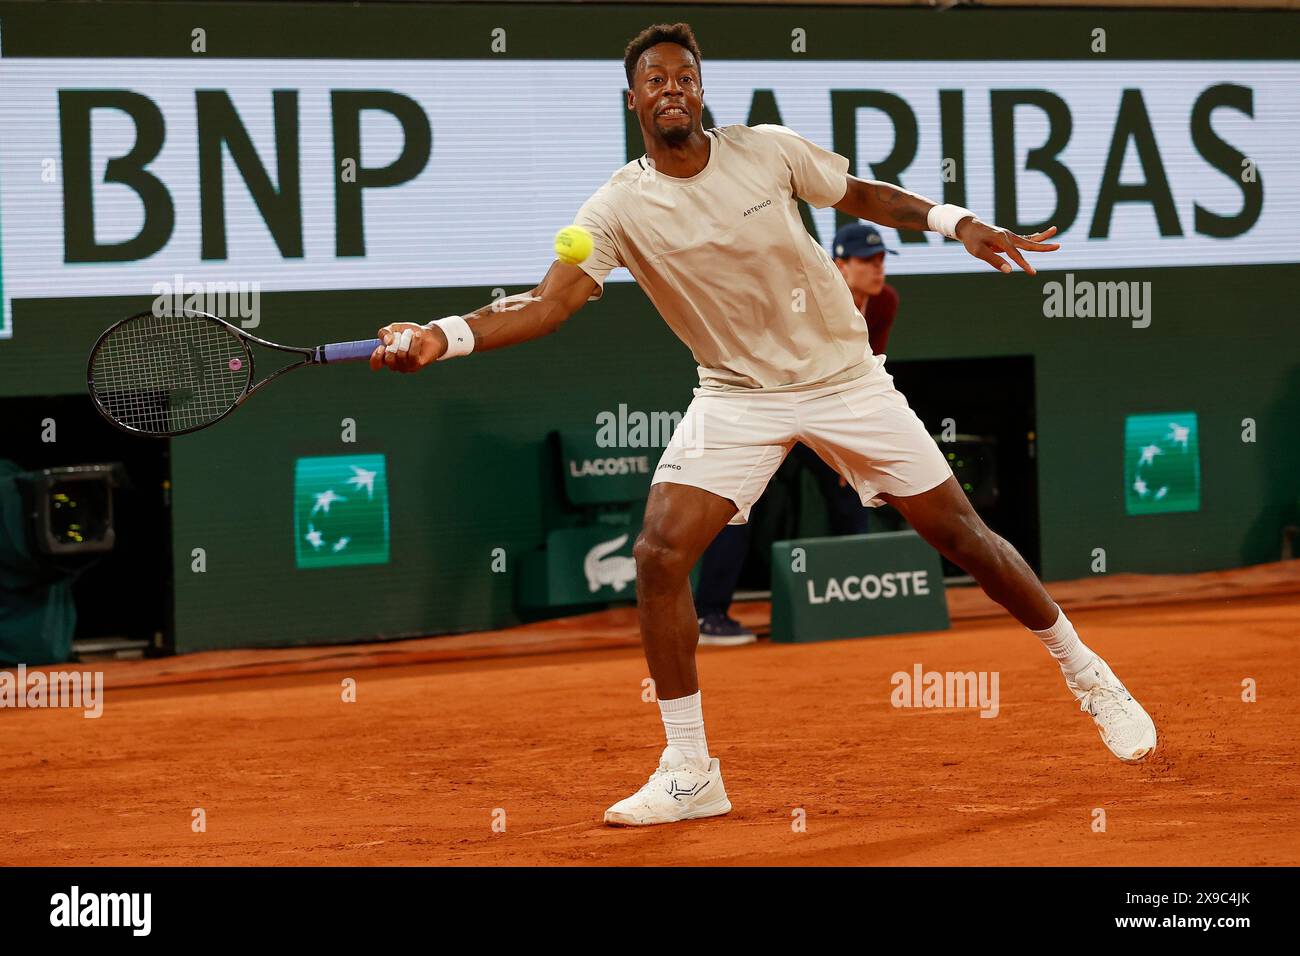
{"points": [[679, 33]]}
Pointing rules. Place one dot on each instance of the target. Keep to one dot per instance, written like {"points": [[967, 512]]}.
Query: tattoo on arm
{"points": [[885, 203], [510, 320], [905, 209]]}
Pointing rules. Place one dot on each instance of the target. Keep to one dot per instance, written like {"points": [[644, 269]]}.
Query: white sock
{"points": [[684, 724], [1062, 641]]}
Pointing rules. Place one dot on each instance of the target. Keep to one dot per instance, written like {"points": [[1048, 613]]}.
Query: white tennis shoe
{"points": [[1125, 727], [678, 790]]}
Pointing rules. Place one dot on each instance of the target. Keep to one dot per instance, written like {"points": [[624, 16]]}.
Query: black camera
{"points": [[71, 509]]}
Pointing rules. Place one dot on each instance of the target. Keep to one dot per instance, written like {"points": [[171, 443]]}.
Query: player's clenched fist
{"points": [[408, 347]]}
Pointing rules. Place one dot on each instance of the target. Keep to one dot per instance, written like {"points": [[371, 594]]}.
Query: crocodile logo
{"points": [[615, 571]]}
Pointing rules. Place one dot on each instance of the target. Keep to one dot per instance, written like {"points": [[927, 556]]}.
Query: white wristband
{"points": [[460, 339], [943, 219]]}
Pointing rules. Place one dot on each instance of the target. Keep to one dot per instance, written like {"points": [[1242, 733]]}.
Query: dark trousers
{"points": [[843, 506], [723, 560], [720, 570]]}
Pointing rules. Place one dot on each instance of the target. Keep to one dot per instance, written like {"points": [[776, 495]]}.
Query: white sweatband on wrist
{"points": [[460, 339], [943, 219]]}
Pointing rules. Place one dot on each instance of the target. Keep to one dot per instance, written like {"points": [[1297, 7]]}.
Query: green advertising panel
{"points": [[1162, 463], [595, 473], [856, 586], [340, 511], [581, 566]]}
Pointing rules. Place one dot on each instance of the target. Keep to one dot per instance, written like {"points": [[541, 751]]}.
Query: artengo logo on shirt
{"points": [[762, 205], [870, 587], [601, 467]]}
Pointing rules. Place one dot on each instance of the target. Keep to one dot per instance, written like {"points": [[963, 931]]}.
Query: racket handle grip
{"points": [[349, 351]]}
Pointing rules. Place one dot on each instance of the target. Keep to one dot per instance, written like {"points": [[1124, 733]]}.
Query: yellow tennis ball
{"points": [[572, 244]]}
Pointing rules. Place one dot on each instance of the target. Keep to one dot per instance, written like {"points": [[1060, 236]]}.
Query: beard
{"points": [[674, 134]]}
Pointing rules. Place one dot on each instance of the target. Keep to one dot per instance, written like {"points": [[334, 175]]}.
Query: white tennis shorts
{"points": [[731, 443]]}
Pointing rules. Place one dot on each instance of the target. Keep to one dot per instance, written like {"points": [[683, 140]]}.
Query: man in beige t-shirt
{"points": [[707, 223], [725, 258]]}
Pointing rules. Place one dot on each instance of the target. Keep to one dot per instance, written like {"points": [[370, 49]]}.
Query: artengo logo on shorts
{"points": [[603, 467], [870, 587]]}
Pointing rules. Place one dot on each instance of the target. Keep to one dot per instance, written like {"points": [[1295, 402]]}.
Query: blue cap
{"points": [[857, 240]]}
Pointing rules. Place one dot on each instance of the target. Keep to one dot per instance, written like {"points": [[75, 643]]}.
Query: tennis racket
{"points": [[168, 375]]}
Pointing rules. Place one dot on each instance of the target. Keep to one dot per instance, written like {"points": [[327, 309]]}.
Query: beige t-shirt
{"points": [[725, 258]]}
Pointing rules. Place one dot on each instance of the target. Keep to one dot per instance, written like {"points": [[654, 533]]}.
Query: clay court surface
{"points": [[444, 732]]}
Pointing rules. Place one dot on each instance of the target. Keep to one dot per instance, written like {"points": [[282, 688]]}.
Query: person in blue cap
{"points": [[859, 251]]}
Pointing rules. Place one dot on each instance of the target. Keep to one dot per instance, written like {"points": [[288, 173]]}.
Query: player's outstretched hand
{"points": [[407, 347], [986, 242]]}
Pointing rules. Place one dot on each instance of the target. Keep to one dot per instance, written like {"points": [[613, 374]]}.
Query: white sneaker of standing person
{"points": [[677, 790]]}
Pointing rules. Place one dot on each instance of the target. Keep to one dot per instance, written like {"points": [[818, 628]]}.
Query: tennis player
{"points": [[708, 225], [859, 252]]}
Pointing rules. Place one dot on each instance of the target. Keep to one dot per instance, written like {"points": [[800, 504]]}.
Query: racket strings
{"points": [[163, 375]]}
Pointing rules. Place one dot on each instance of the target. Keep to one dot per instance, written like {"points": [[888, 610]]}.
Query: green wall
{"points": [[600, 31], [1222, 343], [465, 441], [467, 460]]}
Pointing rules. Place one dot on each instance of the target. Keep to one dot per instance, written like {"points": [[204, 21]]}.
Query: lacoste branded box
{"points": [[856, 586]]}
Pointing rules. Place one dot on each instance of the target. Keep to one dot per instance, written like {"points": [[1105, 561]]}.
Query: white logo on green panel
{"points": [[1162, 463], [603, 567], [340, 510]]}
